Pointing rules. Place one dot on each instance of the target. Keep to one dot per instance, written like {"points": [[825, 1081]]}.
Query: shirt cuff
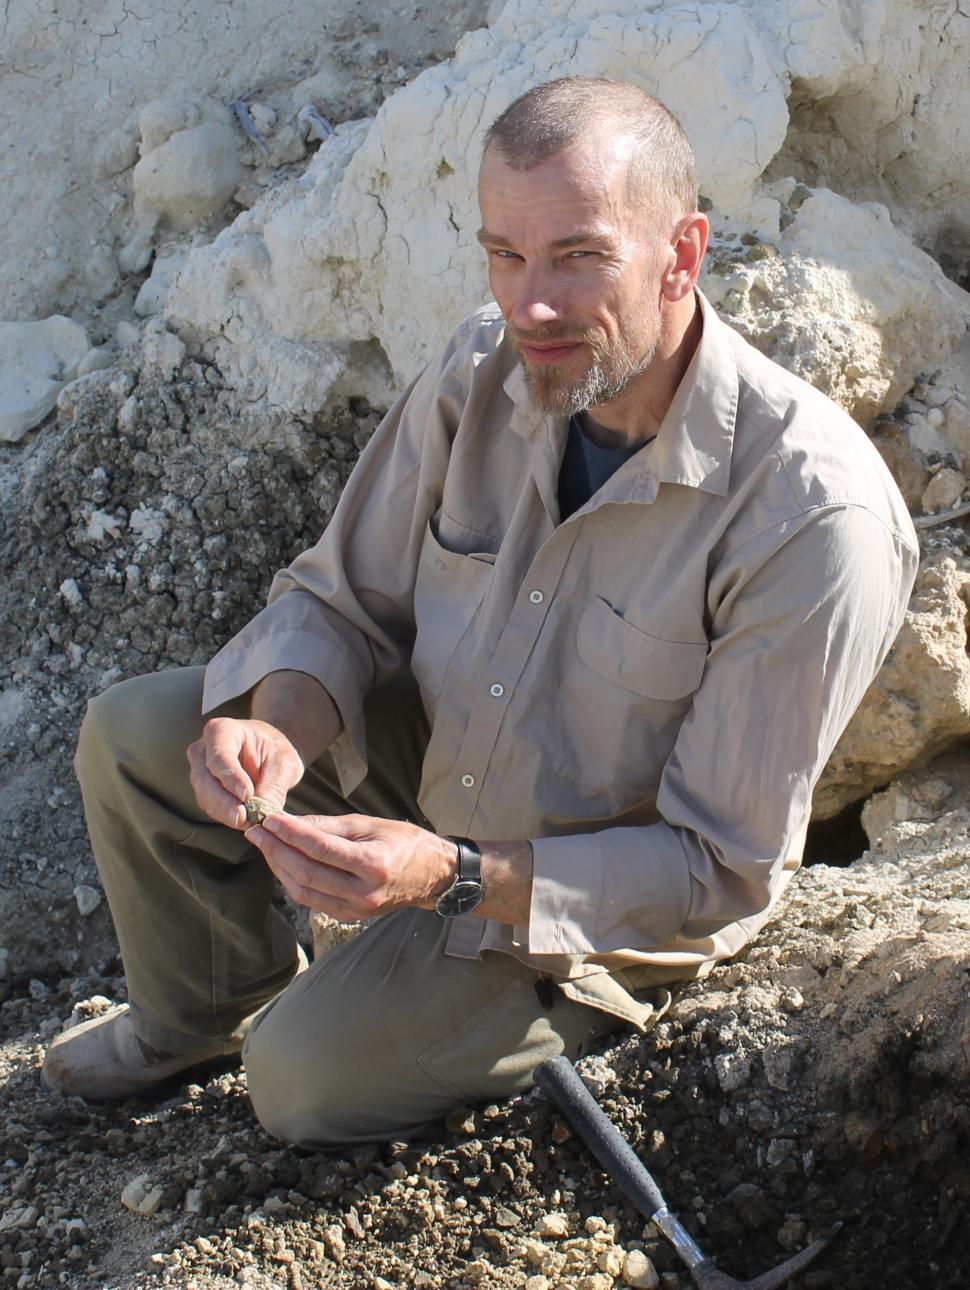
{"points": [[567, 878], [616, 889], [243, 662]]}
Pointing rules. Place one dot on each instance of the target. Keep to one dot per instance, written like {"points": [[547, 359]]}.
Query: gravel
{"points": [[821, 1077]]}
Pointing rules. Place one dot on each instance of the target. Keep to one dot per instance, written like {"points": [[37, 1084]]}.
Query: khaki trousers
{"points": [[382, 1035]]}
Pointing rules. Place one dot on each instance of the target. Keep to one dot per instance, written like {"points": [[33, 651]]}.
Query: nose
{"points": [[536, 300]]}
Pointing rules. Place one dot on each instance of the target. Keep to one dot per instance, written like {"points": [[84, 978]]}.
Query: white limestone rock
{"points": [[154, 290], [37, 359], [190, 165], [88, 899], [376, 242], [96, 360], [944, 490], [162, 353], [142, 1196], [848, 302]]}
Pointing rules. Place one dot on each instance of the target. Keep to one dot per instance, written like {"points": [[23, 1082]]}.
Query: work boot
{"points": [[103, 1059]]}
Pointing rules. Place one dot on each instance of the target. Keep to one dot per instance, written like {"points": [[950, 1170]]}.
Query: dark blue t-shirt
{"points": [[585, 468]]}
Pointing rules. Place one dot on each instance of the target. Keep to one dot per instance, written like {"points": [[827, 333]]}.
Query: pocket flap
{"points": [[634, 660]]}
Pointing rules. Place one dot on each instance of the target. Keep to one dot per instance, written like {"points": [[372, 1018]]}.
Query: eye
{"points": [[500, 253], [580, 255]]}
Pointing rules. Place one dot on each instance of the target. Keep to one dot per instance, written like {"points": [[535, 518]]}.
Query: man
{"points": [[641, 577]]}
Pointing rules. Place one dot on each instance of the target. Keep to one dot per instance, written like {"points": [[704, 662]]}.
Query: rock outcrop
{"points": [[76, 79], [36, 362], [375, 243]]}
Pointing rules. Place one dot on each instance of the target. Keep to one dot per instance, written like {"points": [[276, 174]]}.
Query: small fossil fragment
{"points": [[311, 120], [257, 809], [244, 117]]}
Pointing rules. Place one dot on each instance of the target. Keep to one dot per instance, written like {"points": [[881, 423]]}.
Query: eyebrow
{"points": [[562, 243]]}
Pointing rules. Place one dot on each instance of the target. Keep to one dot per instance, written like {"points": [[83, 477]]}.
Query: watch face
{"points": [[461, 898]]}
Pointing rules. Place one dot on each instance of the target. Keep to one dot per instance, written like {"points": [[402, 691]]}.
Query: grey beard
{"points": [[600, 384]]}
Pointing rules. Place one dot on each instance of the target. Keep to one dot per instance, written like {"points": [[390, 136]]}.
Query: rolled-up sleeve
{"points": [[802, 617], [343, 611]]}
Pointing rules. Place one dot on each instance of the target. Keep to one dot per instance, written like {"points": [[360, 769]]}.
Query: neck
{"points": [[638, 413]]}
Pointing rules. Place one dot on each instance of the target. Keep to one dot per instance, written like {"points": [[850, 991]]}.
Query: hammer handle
{"points": [[558, 1079]]}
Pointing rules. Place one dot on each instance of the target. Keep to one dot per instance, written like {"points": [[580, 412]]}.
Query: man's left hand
{"points": [[355, 866]]}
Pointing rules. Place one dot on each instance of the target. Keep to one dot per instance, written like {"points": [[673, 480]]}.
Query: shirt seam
{"points": [[849, 502], [469, 528], [832, 504]]}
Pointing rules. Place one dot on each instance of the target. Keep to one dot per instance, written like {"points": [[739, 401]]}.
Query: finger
{"points": [[308, 898], [310, 884], [311, 835], [274, 781], [222, 740], [212, 798], [292, 865]]}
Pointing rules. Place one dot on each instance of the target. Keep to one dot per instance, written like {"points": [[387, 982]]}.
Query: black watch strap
{"points": [[466, 892]]}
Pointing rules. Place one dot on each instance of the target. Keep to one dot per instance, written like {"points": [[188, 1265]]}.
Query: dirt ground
{"points": [[822, 1077]]}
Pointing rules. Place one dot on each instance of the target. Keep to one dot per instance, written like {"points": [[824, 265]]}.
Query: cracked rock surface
{"points": [[140, 532]]}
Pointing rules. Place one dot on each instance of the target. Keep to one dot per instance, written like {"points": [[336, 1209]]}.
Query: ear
{"points": [[685, 255]]}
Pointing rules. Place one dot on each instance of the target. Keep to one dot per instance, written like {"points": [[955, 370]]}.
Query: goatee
{"points": [[608, 375]]}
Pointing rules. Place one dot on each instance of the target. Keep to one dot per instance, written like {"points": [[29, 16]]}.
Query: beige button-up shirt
{"points": [[648, 690]]}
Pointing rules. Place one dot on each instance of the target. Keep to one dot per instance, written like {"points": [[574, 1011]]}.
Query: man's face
{"points": [[576, 274]]}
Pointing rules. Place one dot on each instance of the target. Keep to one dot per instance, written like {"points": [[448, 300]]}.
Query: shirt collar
{"points": [[694, 443]]}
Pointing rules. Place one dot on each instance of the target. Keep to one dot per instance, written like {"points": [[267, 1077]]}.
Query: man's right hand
{"points": [[293, 721], [236, 760]]}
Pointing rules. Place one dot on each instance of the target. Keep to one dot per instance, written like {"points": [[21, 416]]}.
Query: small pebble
{"points": [[610, 1261], [553, 1224], [639, 1272], [88, 899]]}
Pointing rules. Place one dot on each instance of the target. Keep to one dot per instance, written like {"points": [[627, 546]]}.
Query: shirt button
{"points": [[496, 690], [468, 781], [536, 597]]}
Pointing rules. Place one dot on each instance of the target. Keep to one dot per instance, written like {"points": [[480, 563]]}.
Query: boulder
{"points": [[188, 172], [37, 359]]}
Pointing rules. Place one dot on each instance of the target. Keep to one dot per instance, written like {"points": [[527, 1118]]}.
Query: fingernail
{"points": [[271, 823]]}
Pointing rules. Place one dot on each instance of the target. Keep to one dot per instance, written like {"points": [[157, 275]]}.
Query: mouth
{"points": [[554, 352]]}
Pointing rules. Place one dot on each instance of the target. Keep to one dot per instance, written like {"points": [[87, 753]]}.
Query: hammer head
{"points": [[708, 1277]]}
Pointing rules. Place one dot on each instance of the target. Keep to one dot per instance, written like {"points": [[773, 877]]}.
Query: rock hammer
{"points": [[557, 1078]]}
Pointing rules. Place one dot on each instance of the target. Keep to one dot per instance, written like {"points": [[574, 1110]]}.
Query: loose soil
{"points": [[822, 1077]]}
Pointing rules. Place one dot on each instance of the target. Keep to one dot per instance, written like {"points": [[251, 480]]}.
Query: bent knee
{"points": [[302, 1103], [144, 721], [327, 1100]]}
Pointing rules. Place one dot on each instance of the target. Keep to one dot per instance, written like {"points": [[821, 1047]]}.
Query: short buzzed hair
{"points": [[542, 122]]}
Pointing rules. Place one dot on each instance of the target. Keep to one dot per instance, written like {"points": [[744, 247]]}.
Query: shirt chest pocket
{"points": [[448, 591], [633, 659]]}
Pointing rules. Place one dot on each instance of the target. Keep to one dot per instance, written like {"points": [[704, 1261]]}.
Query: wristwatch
{"points": [[466, 892]]}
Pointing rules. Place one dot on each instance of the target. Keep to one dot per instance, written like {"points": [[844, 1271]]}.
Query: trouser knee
{"points": [[333, 1093], [144, 724]]}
